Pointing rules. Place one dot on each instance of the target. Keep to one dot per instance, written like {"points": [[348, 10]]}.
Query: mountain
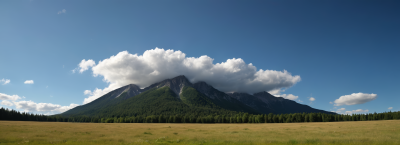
{"points": [[179, 96], [267, 103]]}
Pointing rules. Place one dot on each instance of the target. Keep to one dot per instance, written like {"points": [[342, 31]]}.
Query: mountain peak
{"points": [[176, 84], [181, 78]]}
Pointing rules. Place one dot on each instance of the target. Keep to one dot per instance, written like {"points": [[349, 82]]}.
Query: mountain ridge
{"points": [[189, 96]]}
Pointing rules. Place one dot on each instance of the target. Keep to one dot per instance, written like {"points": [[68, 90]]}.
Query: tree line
{"points": [[7, 114]]}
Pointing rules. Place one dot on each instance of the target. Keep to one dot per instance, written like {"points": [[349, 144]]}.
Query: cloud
{"points": [[28, 82], [288, 96], [30, 106], [5, 81], [9, 97], [87, 92], [355, 98], [7, 103], [62, 11], [340, 110], [84, 65], [390, 108], [358, 111], [276, 92], [312, 99], [155, 65]]}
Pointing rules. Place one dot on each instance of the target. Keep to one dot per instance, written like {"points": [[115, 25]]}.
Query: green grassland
{"points": [[360, 132]]}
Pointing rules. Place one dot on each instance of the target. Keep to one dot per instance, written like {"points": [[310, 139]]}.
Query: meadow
{"points": [[354, 132]]}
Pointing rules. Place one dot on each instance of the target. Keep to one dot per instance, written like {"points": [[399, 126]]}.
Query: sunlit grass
{"points": [[361, 132]]}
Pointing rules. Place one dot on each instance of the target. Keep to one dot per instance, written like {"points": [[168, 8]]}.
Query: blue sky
{"points": [[337, 47]]}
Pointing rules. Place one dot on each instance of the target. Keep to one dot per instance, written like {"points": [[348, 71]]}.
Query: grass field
{"points": [[361, 132]]}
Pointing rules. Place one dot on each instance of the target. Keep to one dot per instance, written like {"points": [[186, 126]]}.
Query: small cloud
{"points": [[312, 99], [7, 103], [330, 102], [276, 92], [29, 106], [299, 101], [87, 92], [28, 82], [390, 108], [288, 96], [9, 97], [84, 65], [356, 111], [62, 11], [5, 81], [47, 86], [355, 98]]}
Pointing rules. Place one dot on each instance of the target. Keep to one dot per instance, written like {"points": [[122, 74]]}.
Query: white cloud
{"points": [[5, 81], [390, 108], [340, 110], [355, 98], [30, 106], [84, 65], [358, 111], [7, 103], [62, 11], [288, 96], [155, 65], [312, 99], [28, 82], [87, 92], [276, 92], [66, 108], [26, 105], [9, 97]]}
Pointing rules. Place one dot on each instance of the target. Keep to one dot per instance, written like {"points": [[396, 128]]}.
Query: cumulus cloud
{"points": [[390, 108], [29, 106], [5, 81], [288, 96], [312, 99], [7, 103], [87, 92], [9, 97], [155, 65], [84, 65], [358, 111], [62, 11], [355, 98], [28, 82]]}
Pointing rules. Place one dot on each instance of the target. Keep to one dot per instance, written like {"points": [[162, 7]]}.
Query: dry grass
{"points": [[362, 132]]}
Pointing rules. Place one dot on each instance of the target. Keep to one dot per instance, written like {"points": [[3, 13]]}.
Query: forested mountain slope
{"points": [[177, 96]]}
